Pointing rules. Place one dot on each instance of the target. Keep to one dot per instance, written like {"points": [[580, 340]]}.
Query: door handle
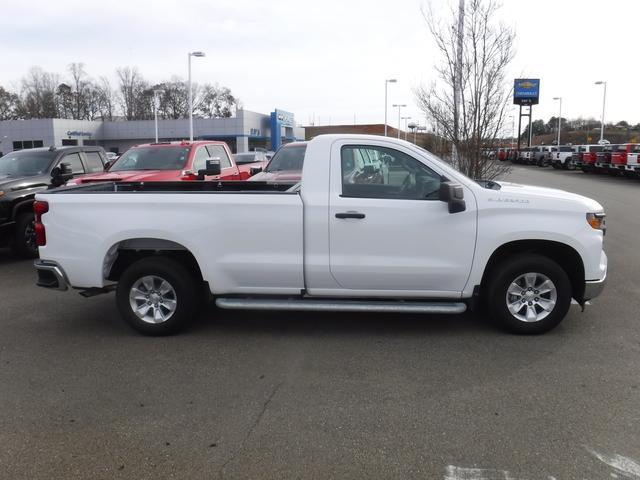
{"points": [[357, 215]]}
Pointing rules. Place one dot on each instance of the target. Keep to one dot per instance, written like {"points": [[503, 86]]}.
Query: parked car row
{"points": [[614, 159]]}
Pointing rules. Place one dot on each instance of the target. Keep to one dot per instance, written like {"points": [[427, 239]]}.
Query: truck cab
{"points": [[169, 161]]}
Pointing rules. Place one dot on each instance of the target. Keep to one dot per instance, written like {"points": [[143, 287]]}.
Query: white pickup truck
{"points": [[376, 224]]}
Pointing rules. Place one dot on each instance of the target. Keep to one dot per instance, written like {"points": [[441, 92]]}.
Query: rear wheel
{"points": [[24, 242], [530, 294], [570, 164], [157, 296]]}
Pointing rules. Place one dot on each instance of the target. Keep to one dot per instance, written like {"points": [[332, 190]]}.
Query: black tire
{"points": [[570, 165], [185, 293], [24, 241], [510, 270]]}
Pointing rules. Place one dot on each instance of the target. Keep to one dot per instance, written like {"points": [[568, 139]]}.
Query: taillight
{"points": [[39, 209]]}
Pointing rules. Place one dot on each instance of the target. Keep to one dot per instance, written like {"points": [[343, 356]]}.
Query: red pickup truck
{"points": [[619, 157], [588, 159], [170, 161]]}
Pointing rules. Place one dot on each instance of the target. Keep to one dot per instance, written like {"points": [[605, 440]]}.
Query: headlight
{"points": [[596, 220]]}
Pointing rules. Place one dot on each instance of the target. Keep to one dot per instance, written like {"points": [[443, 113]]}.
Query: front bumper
{"points": [[51, 275], [593, 288]]}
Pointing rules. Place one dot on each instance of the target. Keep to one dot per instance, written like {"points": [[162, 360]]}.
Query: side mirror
{"points": [[453, 194], [61, 175], [212, 168], [255, 170], [107, 165]]}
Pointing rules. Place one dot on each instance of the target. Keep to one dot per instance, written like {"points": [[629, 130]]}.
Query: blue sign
{"points": [[286, 119], [77, 133], [279, 119], [526, 91]]}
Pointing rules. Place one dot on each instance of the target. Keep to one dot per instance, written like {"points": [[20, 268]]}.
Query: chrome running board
{"points": [[333, 305]]}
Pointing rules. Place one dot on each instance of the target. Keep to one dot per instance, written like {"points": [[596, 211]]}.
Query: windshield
{"points": [[242, 158], [152, 158], [26, 163], [287, 158]]}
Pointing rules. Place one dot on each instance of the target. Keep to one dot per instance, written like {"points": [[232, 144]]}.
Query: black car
{"points": [[24, 173]]}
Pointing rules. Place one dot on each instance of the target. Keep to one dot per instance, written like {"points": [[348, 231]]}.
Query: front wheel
{"points": [[530, 294], [157, 296]]}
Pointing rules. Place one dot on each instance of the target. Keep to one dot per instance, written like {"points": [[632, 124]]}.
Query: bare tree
{"points": [[105, 98], [81, 85], [38, 95], [131, 92], [484, 92]]}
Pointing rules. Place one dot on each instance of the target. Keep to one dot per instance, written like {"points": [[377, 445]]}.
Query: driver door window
{"points": [[218, 151], [379, 172]]}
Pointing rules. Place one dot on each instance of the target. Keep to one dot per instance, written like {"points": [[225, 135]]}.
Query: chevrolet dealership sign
{"points": [[526, 91]]}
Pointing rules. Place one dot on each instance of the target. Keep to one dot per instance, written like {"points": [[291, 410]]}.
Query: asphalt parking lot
{"points": [[262, 395]]}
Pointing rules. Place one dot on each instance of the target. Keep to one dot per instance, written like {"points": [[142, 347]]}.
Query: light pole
{"points": [[604, 99], [513, 130], [559, 118], [399, 107], [405, 126], [191, 54], [386, 82], [156, 101]]}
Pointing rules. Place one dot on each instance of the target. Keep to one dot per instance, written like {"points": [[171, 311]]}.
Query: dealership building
{"points": [[244, 132]]}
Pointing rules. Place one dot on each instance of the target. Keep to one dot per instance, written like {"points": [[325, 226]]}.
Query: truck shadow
{"points": [[218, 321], [8, 257]]}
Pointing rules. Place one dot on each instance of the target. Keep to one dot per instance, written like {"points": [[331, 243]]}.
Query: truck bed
{"points": [[178, 187]]}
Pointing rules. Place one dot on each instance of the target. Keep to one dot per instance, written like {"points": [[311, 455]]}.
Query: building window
{"points": [[20, 144], [69, 142]]}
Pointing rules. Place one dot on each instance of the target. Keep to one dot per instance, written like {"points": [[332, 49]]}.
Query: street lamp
{"points": [[156, 102], [399, 107], [386, 82], [604, 99], [559, 118], [191, 54], [405, 126]]}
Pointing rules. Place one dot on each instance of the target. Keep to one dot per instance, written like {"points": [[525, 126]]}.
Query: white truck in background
{"points": [[375, 224]]}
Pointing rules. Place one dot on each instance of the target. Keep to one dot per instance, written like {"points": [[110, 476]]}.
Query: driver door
{"points": [[388, 230]]}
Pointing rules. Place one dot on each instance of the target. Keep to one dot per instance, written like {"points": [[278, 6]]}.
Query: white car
{"points": [[403, 233]]}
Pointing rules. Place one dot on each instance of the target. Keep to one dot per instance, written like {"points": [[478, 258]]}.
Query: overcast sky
{"points": [[326, 59]]}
